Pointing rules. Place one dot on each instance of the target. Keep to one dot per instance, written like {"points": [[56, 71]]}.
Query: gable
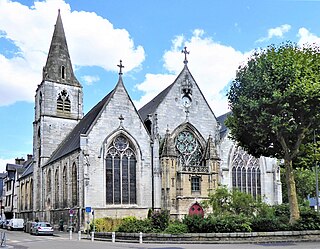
{"points": [[172, 109]]}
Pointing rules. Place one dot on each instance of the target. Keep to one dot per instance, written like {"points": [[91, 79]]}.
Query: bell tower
{"points": [[58, 106]]}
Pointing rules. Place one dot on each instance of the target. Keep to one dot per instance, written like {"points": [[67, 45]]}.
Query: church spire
{"points": [[58, 67]]}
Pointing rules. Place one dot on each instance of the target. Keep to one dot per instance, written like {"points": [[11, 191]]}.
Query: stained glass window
{"points": [[190, 152], [246, 173], [74, 186], [121, 172]]}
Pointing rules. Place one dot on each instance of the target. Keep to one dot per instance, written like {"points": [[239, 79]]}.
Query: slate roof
{"points": [[151, 106], [59, 56], [72, 141], [221, 119], [13, 167], [28, 170]]}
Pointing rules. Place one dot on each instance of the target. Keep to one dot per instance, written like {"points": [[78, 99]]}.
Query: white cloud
{"points": [[30, 30], [276, 32], [306, 37], [89, 79], [3, 163], [213, 66]]}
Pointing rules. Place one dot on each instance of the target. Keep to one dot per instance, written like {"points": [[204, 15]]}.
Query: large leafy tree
{"points": [[275, 103]]}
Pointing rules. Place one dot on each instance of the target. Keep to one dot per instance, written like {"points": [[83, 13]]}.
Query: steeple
{"points": [[58, 67]]}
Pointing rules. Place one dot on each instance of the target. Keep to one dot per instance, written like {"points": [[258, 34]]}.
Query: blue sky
{"points": [[148, 35]]}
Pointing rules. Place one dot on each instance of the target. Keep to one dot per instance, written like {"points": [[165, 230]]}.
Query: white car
{"points": [[16, 224], [42, 228]]}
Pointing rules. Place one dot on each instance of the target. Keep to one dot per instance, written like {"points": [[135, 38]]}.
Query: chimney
{"points": [[29, 157], [19, 161]]}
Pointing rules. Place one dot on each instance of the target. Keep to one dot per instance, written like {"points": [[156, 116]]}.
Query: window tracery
{"points": [[121, 172], [63, 102], [246, 174], [189, 152]]}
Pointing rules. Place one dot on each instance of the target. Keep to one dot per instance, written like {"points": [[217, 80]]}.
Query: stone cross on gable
{"points": [[120, 66], [121, 118], [185, 55]]}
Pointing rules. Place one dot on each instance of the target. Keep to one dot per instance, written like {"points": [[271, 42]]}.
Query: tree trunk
{"points": [[292, 193]]}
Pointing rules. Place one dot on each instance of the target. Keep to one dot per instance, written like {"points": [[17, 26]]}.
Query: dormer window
{"points": [[63, 102], [63, 72]]}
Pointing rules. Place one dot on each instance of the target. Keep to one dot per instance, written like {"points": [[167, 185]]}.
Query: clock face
{"points": [[186, 101]]}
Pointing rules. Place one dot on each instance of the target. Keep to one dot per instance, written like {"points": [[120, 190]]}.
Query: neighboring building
{"points": [[25, 198], [119, 161], [2, 194], [11, 186]]}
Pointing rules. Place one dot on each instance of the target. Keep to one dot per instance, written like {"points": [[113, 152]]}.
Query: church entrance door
{"points": [[196, 209]]}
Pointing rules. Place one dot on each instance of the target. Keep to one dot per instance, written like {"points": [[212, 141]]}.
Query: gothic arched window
{"points": [[22, 196], [49, 182], [56, 183], [121, 172], [31, 194], [26, 196], [64, 187], [245, 172], [63, 102], [189, 152], [74, 185]]}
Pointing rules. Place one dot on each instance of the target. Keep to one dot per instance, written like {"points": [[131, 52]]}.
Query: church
{"points": [[118, 161]]}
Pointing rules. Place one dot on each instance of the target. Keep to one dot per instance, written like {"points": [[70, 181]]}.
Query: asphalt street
{"points": [[20, 240]]}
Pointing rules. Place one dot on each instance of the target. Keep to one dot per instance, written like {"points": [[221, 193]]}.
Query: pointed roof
{"points": [[58, 67], [151, 106]]}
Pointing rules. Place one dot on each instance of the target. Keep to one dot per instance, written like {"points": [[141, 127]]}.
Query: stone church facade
{"points": [[120, 161]]}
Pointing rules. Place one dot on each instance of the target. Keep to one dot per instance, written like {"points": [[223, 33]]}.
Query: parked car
{"points": [[15, 224], [28, 225], [42, 228]]}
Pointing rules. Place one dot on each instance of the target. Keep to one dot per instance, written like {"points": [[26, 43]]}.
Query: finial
{"points": [[121, 118], [120, 66], [185, 55]]}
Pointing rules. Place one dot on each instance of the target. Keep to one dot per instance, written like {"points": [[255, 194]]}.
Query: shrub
{"points": [[105, 224], [194, 223], [231, 223], [215, 224], [133, 225], [176, 228], [267, 224], [309, 220], [160, 220]]}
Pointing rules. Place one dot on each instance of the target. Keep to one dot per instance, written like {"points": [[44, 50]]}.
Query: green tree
{"points": [[275, 103], [305, 179], [224, 202]]}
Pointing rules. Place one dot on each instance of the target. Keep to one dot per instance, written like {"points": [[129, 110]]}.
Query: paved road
{"points": [[20, 240]]}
